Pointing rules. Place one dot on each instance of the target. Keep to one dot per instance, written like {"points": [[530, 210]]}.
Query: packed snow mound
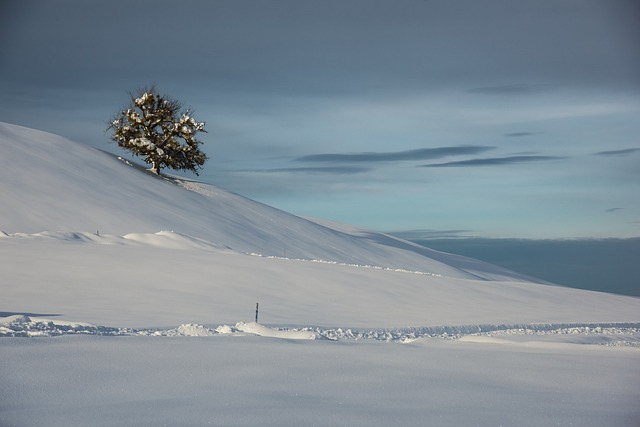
{"points": [[263, 331], [53, 185], [193, 330]]}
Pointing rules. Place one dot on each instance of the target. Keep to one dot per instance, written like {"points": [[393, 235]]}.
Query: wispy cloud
{"points": [[418, 154], [512, 89], [518, 134], [334, 170], [623, 152], [494, 161], [613, 209]]}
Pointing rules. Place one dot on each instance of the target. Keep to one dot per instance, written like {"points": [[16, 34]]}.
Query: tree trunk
{"points": [[155, 168]]}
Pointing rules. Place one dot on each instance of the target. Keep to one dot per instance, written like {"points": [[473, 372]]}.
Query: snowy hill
{"points": [[54, 184], [101, 241]]}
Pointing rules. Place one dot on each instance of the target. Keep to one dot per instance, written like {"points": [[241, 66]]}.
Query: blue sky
{"points": [[449, 118]]}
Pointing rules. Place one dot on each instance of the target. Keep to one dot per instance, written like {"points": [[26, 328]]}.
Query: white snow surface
{"points": [[128, 299]]}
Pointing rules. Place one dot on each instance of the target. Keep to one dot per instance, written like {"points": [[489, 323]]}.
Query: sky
{"points": [[515, 119]]}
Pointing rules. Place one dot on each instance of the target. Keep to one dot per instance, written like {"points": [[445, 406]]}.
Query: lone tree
{"points": [[157, 128]]}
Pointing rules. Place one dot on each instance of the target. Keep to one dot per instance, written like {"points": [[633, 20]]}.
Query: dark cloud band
{"points": [[495, 161], [623, 152], [409, 155]]}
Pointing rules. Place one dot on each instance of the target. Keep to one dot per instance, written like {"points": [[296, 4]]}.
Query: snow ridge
{"points": [[618, 334]]}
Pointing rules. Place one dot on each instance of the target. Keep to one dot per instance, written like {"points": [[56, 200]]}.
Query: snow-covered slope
{"points": [[89, 237], [52, 184]]}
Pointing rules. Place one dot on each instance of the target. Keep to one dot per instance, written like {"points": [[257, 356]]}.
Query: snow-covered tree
{"points": [[158, 129]]}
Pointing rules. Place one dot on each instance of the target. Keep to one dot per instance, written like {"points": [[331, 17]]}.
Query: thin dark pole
{"points": [[256, 312]]}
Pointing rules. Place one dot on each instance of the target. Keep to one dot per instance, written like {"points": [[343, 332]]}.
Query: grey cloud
{"points": [[495, 161], [623, 152], [613, 209], [318, 47], [419, 154]]}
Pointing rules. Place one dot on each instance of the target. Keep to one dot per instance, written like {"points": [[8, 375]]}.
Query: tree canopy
{"points": [[157, 128]]}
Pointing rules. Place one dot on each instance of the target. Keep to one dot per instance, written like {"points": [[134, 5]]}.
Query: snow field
{"points": [[257, 381], [146, 286]]}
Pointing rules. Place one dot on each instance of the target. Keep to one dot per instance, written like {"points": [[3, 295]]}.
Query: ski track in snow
{"points": [[616, 334]]}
